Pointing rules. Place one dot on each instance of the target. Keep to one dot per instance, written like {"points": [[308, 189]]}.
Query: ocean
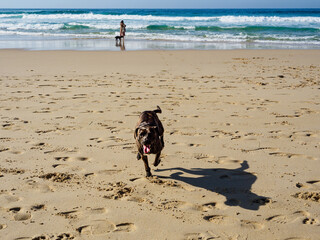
{"points": [[95, 29]]}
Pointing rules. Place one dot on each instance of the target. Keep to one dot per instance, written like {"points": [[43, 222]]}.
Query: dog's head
{"points": [[147, 136]]}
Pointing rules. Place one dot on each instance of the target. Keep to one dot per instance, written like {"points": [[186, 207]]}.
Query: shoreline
{"points": [[100, 44]]}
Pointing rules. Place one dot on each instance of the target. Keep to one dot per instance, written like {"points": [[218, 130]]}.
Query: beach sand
{"points": [[241, 157]]}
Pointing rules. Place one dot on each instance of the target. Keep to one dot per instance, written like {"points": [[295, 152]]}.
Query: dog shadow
{"points": [[234, 184]]}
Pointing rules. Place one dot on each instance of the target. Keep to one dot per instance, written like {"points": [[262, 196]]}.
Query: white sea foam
{"points": [[10, 15], [223, 19], [91, 16], [29, 26], [222, 38], [263, 19], [56, 26]]}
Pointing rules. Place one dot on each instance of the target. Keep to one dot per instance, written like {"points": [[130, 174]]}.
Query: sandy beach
{"points": [[241, 157]]}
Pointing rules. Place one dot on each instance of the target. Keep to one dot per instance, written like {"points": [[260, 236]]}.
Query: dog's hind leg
{"points": [[157, 160], [146, 165]]}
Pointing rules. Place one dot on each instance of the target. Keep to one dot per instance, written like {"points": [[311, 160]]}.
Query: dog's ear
{"points": [[136, 133]]}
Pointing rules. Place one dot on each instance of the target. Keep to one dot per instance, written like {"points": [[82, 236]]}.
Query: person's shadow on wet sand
{"points": [[121, 45], [234, 184]]}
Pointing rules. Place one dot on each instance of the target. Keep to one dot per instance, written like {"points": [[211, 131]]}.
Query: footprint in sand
{"points": [[16, 152], [252, 225], [39, 187], [310, 221], [194, 145], [97, 140], [291, 155], [174, 204], [74, 214], [38, 207], [290, 218], [199, 156], [3, 226], [65, 236], [314, 184], [227, 160], [63, 159], [8, 198], [3, 149], [62, 236], [22, 216], [296, 238], [101, 210], [69, 214], [82, 159], [125, 227], [60, 165], [97, 227], [204, 235], [136, 199], [15, 209], [310, 196], [109, 172], [207, 206], [259, 149], [221, 220]]}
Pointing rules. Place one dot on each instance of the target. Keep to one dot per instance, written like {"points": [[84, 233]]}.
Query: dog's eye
{"points": [[143, 133]]}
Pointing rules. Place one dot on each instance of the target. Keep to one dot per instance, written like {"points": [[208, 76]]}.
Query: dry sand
{"points": [[241, 159]]}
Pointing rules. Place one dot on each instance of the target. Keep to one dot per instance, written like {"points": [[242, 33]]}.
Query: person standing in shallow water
{"points": [[122, 29]]}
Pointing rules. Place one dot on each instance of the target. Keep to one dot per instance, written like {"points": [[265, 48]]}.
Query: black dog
{"points": [[118, 38], [149, 137]]}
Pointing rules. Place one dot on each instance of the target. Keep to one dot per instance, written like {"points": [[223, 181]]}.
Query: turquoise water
{"points": [[95, 29]]}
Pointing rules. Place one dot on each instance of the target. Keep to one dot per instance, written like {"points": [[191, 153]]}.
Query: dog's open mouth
{"points": [[146, 149]]}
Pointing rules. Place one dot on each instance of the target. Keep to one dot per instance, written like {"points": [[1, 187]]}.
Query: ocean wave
{"points": [[74, 27], [105, 26], [92, 16], [256, 29], [164, 27], [59, 35], [222, 38], [223, 19], [268, 19], [29, 26], [11, 16]]}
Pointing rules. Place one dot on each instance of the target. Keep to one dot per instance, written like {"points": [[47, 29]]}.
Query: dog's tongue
{"points": [[146, 149]]}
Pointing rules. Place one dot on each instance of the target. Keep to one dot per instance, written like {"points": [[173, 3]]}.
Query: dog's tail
{"points": [[158, 110]]}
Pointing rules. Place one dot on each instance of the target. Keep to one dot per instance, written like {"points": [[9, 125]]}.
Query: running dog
{"points": [[149, 137]]}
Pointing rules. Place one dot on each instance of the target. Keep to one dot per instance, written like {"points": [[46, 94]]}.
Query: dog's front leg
{"points": [[146, 165], [162, 142], [157, 159]]}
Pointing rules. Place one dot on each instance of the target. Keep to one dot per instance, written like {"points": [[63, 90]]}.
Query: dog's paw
{"points": [[156, 163], [149, 174], [138, 156]]}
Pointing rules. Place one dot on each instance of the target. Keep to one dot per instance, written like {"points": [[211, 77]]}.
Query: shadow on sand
{"points": [[234, 184]]}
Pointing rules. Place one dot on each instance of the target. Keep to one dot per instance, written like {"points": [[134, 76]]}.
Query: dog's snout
{"points": [[147, 141]]}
